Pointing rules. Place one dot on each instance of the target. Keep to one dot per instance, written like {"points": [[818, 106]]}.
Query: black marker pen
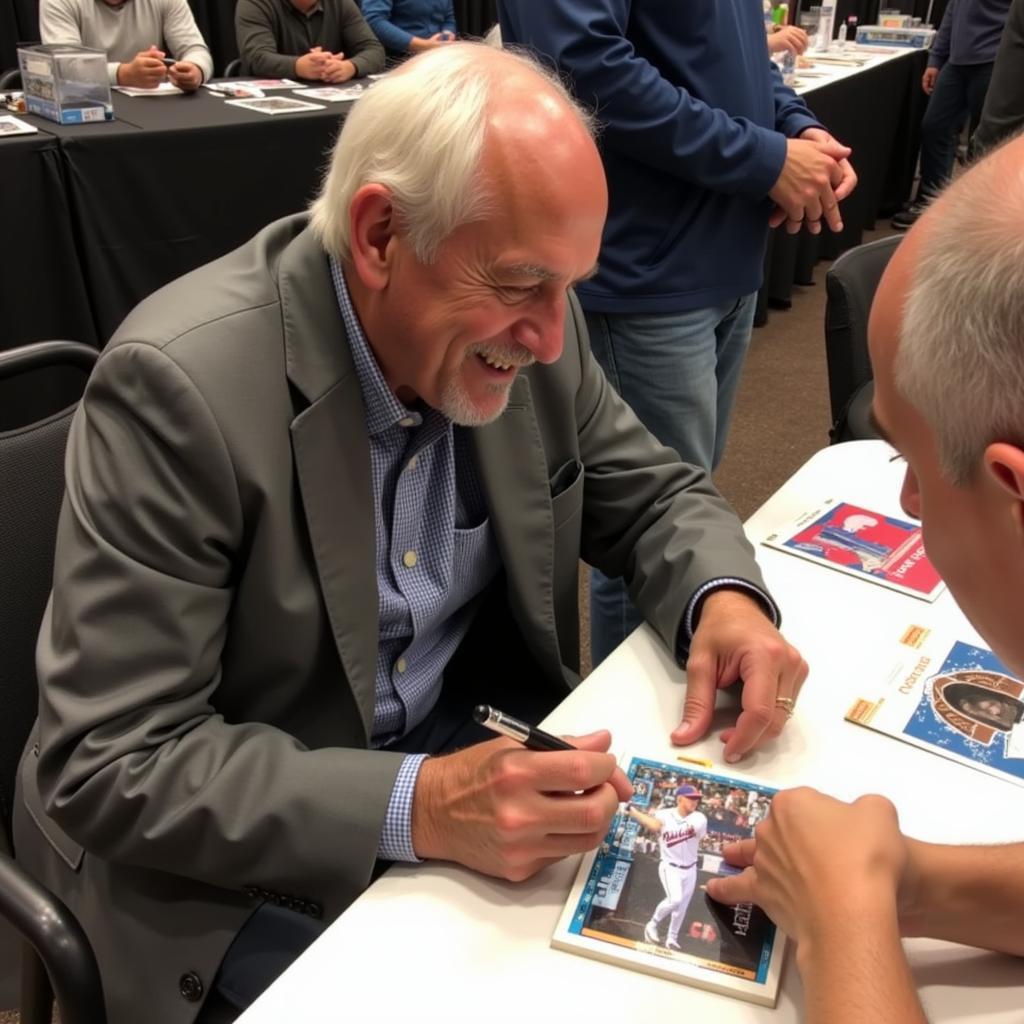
{"points": [[529, 735]]}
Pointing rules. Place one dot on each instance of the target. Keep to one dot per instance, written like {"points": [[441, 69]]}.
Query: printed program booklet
{"points": [[332, 93], [640, 899], [952, 698], [862, 543]]}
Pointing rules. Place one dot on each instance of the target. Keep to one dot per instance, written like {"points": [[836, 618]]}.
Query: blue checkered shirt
{"points": [[435, 554]]}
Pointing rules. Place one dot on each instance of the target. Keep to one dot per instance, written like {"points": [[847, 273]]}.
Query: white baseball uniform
{"points": [[679, 840]]}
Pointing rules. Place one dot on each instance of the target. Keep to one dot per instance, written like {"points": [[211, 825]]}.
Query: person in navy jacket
{"points": [[704, 148]]}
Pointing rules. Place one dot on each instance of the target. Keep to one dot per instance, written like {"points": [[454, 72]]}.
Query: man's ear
{"points": [[372, 226], [1005, 463]]}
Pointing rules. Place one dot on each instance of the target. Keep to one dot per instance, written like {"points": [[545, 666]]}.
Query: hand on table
{"points": [[311, 65], [816, 165], [418, 44], [507, 811], [145, 70], [928, 80], [788, 37], [185, 75], [735, 640], [815, 862], [338, 69]]}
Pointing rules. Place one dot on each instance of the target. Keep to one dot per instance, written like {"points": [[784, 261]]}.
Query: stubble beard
{"points": [[460, 408]]}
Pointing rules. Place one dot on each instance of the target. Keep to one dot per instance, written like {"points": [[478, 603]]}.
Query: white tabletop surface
{"points": [[824, 72], [438, 942]]}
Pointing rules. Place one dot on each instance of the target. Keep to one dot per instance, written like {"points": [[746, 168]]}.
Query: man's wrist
{"points": [[866, 918]]}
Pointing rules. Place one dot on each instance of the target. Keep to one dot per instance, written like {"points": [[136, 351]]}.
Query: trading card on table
{"points": [[859, 542], [274, 105], [640, 900], [952, 698]]}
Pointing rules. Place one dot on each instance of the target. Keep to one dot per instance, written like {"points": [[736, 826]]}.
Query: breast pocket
{"points": [[566, 492]]}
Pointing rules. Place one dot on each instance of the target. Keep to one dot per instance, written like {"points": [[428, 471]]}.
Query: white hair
{"points": [[419, 132], [960, 359]]}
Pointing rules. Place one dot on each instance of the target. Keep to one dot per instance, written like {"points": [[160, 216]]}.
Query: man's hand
{"points": [[311, 65], [418, 44], [507, 811], [816, 861], [928, 80], [185, 75], [338, 69], [788, 37], [804, 189], [145, 70], [844, 181], [735, 640]]}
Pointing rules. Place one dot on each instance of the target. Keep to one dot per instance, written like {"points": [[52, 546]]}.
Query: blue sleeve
{"points": [[940, 47], [641, 113], [377, 13], [449, 19], [792, 115]]}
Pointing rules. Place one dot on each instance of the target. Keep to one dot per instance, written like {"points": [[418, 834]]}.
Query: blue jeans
{"points": [[680, 373], [959, 91]]}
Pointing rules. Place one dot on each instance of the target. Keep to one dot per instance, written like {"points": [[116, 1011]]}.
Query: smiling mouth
{"points": [[495, 366]]}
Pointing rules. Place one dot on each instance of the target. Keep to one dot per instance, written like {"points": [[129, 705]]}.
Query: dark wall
{"points": [[19, 22]]}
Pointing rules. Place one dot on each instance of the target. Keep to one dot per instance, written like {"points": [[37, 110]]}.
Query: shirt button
{"points": [[406, 421], [412, 463], [401, 665], [409, 558]]}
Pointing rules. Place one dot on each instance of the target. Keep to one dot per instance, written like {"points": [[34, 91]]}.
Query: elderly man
{"points": [[314, 481], [316, 40], [137, 35], [957, 416]]}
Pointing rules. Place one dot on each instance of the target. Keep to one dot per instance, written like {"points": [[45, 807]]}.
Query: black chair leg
{"points": [[36, 990]]}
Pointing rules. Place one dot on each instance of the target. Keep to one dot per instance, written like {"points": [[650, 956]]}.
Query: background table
{"points": [[438, 942]]}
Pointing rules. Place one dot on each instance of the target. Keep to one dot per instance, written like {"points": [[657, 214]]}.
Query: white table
{"points": [[437, 942], [824, 72]]}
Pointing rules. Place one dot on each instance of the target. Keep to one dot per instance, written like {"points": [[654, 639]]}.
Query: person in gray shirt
{"points": [[137, 35], [318, 40]]}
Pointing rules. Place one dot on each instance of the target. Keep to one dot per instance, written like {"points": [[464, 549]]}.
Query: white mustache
{"points": [[509, 355]]}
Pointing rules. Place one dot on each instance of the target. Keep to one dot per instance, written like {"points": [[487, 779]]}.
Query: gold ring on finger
{"points": [[787, 704]]}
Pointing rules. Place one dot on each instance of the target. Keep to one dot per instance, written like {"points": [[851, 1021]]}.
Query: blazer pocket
{"points": [[66, 848], [566, 492]]}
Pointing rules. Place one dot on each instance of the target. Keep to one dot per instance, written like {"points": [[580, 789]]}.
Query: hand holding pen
{"points": [[509, 811]]}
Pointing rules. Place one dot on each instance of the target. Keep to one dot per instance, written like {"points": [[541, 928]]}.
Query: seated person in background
{"points": [[317, 40], [323, 496], [947, 349], [137, 35], [787, 37], [411, 26]]}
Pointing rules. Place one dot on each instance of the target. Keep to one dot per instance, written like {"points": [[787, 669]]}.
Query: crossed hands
{"points": [[816, 862], [815, 178], [320, 65], [507, 811], [146, 70]]}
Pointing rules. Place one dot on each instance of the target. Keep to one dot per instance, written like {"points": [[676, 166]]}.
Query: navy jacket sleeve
{"points": [[791, 113], [939, 53], [639, 110]]}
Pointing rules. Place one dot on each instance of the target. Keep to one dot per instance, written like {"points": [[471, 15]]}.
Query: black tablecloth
{"points": [[42, 291], [170, 185]]}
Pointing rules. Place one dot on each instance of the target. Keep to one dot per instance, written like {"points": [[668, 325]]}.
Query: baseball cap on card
{"points": [[687, 790]]}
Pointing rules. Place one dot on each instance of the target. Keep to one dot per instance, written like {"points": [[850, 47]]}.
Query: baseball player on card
{"points": [[680, 830]]}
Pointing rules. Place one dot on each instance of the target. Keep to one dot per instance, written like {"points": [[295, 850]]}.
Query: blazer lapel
{"points": [[510, 460], [332, 458]]}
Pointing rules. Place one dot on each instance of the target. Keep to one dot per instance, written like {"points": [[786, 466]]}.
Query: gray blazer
{"points": [[207, 660]]}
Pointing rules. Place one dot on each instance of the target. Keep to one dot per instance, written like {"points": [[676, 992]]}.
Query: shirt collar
{"points": [[383, 409]]}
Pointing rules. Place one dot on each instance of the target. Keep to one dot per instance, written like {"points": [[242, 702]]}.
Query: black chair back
{"points": [[850, 285], [39, 388]]}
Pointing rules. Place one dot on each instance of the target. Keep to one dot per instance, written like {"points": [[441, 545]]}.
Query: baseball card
{"points": [[859, 542], [952, 698], [640, 899]]}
